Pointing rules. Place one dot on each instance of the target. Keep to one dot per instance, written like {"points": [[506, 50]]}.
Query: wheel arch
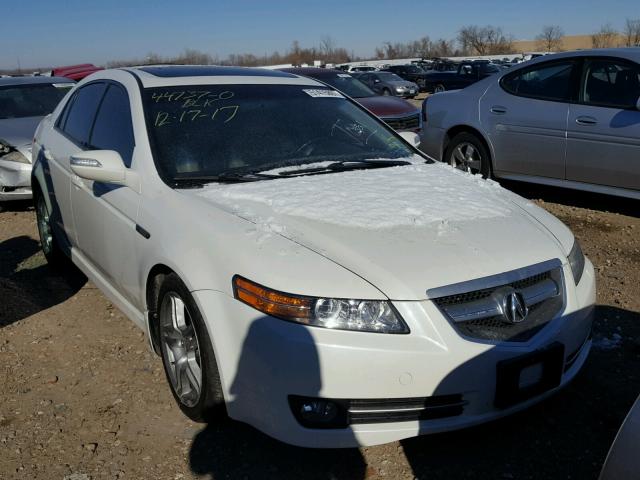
{"points": [[455, 130], [155, 277]]}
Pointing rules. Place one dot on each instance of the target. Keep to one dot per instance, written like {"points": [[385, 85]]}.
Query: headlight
{"points": [[15, 156], [576, 260], [400, 89], [336, 313]]}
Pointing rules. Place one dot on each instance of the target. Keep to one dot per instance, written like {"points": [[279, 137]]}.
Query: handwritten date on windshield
{"points": [[222, 114], [192, 98]]}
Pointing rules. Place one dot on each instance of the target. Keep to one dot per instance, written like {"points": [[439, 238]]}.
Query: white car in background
{"points": [[23, 103], [302, 266]]}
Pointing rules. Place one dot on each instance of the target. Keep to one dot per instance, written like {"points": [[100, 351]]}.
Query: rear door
{"points": [[603, 135], [525, 116]]}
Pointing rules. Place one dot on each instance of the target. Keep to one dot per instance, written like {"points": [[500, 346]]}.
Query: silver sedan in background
{"points": [[569, 119], [24, 101], [388, 83]]}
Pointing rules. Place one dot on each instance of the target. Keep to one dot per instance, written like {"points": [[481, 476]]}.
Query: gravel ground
{"points": [[83, 397]]}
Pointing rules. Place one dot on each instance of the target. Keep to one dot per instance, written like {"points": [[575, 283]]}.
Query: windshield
{"points": [[207, 130], [389, 77], [36, 100], [348, 84]]}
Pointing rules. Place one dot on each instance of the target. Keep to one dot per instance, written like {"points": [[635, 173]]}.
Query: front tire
{"points": [[468, 153], [187, 353], [386, 92], [439, 88]]}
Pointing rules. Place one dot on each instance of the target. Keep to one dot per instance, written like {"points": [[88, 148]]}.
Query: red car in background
{"points": [[75, 72], [395, 112]]}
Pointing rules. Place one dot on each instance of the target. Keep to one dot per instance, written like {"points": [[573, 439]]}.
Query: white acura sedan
{"points": [[301, 266]]}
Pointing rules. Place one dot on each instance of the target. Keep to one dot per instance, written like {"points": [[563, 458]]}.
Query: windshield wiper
{"points": [[344, 165], [224, 177]]}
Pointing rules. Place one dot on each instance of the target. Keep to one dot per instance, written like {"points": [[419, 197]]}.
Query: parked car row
{"points": [[569, 119]]}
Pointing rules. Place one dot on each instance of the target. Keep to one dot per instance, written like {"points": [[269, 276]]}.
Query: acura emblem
{"points": [[512, 305]]}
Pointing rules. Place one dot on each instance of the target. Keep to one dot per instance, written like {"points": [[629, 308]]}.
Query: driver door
{"points": [[105, 214]]}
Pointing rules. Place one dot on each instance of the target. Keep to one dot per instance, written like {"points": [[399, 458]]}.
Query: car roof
{"points": [[629, 53], [175, 75], [12, 81]]}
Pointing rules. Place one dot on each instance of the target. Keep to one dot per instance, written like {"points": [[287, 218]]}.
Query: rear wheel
{"points": [[187, 353], [467, 152]]}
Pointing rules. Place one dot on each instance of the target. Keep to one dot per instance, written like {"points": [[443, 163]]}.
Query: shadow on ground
{"points": [[27, 284]]}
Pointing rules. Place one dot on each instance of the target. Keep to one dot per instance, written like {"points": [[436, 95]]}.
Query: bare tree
{"points": [[550, 40], [606, 37], [484, 40], [632, 33]]}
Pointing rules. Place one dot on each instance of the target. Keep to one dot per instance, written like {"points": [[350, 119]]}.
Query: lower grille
{"points": [[324, 413], [482, 314], [404, 410], [410, 122]]}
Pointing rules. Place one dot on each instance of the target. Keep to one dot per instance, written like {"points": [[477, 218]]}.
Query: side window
{"points": [[62, 119], [366, 78], [545, 82], [611, 83], [79, 120], [113, 129]]}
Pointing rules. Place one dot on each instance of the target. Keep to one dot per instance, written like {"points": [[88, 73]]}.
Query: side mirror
{"points": [[104, 166], [376, 80], [412, 138]]}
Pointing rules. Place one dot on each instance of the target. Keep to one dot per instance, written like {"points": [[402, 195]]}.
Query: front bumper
{"points": [[432, 141], [15, 181], [262, 361]]}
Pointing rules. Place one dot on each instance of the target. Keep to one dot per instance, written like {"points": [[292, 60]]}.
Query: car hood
{"points": [[18, 132], [405, 230], [383, 106]]}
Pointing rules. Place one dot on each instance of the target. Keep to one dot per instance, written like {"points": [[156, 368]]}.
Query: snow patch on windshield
{"points": [[411, 195]]}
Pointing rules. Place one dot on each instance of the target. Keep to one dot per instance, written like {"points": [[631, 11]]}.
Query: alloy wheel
{"points": [[466, 157], [180, 344], [439, 88]]}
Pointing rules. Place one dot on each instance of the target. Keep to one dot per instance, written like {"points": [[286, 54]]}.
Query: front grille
{"points": [[477, 314], [410, 122]]}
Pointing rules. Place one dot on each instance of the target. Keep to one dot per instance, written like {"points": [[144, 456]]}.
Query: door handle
{"points": [[498, 110], [47, 154], [586, 120]]}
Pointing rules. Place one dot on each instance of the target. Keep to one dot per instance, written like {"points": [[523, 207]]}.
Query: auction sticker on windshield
{"points": [[322, 93]]}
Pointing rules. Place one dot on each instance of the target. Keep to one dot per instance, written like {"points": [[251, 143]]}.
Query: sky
{"points": [[50, 33]]}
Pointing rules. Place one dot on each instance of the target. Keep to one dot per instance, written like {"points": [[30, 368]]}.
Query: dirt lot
{"points": [[82, 396]]}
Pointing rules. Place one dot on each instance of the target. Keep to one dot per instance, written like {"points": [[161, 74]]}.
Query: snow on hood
{"points": [[405, 229], [391, 197]]}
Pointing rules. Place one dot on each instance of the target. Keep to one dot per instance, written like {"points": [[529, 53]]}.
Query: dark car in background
{"points": [[396, 112], [466, 74], [411, 73], [387, 83]]}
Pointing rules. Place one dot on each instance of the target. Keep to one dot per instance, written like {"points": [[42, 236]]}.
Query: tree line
{"points": [[470, 40]]}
